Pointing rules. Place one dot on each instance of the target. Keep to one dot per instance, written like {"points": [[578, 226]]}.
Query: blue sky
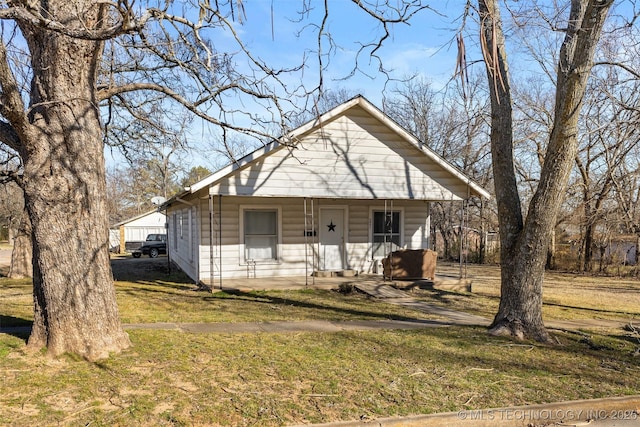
{"points": [[271, 32], [422, 47]]}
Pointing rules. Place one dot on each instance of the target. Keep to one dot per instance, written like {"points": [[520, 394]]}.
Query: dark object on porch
{"points": [[410, 264]]}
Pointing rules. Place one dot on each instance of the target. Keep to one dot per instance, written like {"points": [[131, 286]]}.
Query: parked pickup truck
{"points": [[154, 244]]}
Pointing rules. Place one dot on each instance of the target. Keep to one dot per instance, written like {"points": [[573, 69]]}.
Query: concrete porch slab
{"points": [[333, 281]]}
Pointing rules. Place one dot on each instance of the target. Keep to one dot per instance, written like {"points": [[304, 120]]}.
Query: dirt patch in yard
{"points": [[128, 268]]}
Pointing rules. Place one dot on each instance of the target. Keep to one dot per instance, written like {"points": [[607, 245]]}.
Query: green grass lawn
{"points": [[176, 378], [566, 295]]}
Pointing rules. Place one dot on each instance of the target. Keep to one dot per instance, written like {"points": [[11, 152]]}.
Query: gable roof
{"points": [[154, 216], [352, 151]]}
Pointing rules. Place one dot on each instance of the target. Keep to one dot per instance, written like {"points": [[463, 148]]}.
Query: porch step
{"points": [[441, 283], [347, 273], [341, 273], [380, 290]]}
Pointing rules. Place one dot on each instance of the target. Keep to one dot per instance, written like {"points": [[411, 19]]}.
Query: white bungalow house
{"points": [[336, 195]]}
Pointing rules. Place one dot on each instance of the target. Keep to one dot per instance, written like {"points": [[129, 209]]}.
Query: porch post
{"points": [[211, 235]]}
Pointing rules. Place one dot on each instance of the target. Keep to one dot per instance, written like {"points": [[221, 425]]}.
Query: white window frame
{"points": [[174, 231], [400, 233], [278, 211]]}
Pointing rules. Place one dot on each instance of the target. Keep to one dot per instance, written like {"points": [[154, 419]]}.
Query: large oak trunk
{"points": [[524, 245], [522, 263], [522, 276], [64, 184]]}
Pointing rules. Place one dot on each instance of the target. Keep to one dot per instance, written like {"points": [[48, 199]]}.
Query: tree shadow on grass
{"points": [[155, 277], [455, 300], [15, 326], [531, 362], [591, 309], [445, 298], [325, 310], [130, 269], [629, 336]]}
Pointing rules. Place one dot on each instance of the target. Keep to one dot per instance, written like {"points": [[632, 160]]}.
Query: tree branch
{"points": [[11, 104], [635, 73], [190, 106], [127, 22]]}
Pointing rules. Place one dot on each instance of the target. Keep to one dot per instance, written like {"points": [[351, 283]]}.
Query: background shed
{"points": [[129, 234]]}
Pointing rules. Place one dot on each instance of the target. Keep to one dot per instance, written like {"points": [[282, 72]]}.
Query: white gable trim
{"points": [[318, 123], [135, 218], [221, 173], [386, 120]]}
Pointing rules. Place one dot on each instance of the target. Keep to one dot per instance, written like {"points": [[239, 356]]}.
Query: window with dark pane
{"points": [[260, 235], [386, 232]]}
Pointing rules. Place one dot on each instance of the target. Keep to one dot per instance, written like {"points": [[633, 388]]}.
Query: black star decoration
{"points": [[332, 226]]}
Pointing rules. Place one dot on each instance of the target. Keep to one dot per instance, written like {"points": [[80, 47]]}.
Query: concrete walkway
{"points": [[291, 326], [606, 412], [396, 296], [449, 318]]}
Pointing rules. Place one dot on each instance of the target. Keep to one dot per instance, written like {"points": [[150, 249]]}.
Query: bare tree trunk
{"points": [[524, 246], [446, 244], [64, 185], [22, 254], [602, 250], [587, 248], [636, 257], [551, 252]]}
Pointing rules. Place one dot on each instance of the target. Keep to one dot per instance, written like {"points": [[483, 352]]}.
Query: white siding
{"points": [[292, 261], [114, 239], [358, 243], [417, 226], [183, 237], [354, 156], [139, 234], [154, 219]]}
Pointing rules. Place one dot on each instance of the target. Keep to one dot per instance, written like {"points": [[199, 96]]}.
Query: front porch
{"points": [[445, 282]]}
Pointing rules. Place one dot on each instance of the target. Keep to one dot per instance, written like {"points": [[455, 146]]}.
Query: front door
{"points": [[331, 239]]}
